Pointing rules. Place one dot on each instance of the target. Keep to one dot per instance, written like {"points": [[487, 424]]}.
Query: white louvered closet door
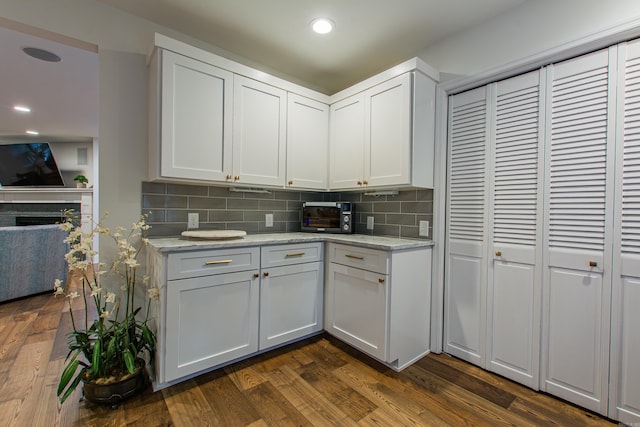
{"points": [[624, 389], [515, 213], [578, 229], [465, 281]]}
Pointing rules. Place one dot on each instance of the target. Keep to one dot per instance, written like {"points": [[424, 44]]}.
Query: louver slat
{"points": [[467, 173], [577, 167], [515, 186]]}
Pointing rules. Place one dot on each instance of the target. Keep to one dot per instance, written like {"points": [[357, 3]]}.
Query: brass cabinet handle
{"points": [[294, 255], [228, 177], [236, 178], [354, 257], [222, 261], [365, 182], [265, 274], [498, 253], [593, 264], [256, 275], [381, 280], [359, 182], [290, 182]]}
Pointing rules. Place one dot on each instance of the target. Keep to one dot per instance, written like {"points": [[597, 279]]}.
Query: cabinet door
{"points": [[210, 320], [465, 281], [307, 143], [259, 138], [515, 215], [625, 339], [291, 302], [356, 308], [196, 114], [346, 151], [387, 151], [578, 219]]}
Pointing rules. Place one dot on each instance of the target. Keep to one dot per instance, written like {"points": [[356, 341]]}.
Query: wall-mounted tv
{"points": [[28, 164]]}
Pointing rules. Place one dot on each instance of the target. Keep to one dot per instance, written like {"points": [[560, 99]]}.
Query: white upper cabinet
{"points": [[347, 143], [259, 135], [307, 143], [213, 120], [390, 127], [190, 116]]}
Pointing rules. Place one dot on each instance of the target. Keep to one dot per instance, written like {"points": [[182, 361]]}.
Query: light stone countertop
{"points": [[175, 244]]}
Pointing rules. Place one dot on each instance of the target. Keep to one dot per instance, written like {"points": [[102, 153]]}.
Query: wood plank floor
{"points": [[316, 382]]}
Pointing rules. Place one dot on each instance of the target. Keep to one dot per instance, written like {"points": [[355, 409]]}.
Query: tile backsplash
{"points": [[221, 209]]}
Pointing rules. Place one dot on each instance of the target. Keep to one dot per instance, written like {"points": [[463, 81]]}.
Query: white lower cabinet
{"points": [[210, 320], [221, 305], [291, 293], [212, 301], [379, 301]]}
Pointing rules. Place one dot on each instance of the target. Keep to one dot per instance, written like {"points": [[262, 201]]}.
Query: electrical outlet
{"points": [[369, 223], [193, 219], [424, 229], [268, 219]]}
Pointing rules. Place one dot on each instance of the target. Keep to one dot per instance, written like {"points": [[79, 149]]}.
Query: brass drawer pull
{"points": [[381, 280], [498, 253], [265, 274], [222, 261], [593, 264], [294, 255], [256, 275], [354, 257]]}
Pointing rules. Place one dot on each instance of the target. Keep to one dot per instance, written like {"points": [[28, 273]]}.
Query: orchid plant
{"points": [[108, 337]]}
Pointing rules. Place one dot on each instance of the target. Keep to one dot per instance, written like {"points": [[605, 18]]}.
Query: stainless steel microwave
{"points": [[328, 217]]}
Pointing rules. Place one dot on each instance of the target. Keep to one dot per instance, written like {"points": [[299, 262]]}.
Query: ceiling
{"points": [[369, 36], [63, 96]]}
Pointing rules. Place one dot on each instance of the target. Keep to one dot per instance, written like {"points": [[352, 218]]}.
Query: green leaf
{"points": [[129, 360], [72, 387], [95, 360], [67, 373]]}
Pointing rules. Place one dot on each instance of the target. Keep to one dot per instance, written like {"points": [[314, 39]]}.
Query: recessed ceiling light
{"points": [[43, 55], [322, 25], [33, 132], [22, 108]]}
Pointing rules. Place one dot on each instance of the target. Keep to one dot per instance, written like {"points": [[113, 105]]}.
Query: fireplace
{"points": [[34, 213]]}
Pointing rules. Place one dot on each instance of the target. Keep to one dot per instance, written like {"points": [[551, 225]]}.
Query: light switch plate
{"points": [[193, 219], [268, 219], [424, 229], [369, 223]]}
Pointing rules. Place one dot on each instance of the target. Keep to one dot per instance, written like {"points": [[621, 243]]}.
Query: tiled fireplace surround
{"points": [[219, 208]]}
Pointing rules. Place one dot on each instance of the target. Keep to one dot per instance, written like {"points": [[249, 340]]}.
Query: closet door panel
{"points": [[515, 209], [578, 209], [625, 340], [465, 288]]}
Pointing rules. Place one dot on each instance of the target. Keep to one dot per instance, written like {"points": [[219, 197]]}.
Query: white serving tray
{"points": [[215, 234]]}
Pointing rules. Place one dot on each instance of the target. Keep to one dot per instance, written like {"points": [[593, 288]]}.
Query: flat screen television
{"points": [[28, 164]]}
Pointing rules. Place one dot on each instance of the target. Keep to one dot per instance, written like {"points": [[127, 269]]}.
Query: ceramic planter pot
{"points": [[115, 392]]}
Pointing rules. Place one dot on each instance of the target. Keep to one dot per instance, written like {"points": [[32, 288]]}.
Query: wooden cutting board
{"points": [[215, 234]]}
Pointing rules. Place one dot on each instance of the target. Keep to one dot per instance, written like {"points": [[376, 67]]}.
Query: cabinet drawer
{"points": [[366, 259], [183, 265], [280, 255]]}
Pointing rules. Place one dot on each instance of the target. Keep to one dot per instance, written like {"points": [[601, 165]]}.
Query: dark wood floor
{"points": [[319, 381]]}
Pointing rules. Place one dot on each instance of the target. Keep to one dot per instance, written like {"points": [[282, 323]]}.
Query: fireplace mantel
{"points": [[44, 195]]}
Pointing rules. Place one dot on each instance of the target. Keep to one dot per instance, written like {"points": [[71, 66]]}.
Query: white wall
{"points": [[66, 155], [529, 29]]}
